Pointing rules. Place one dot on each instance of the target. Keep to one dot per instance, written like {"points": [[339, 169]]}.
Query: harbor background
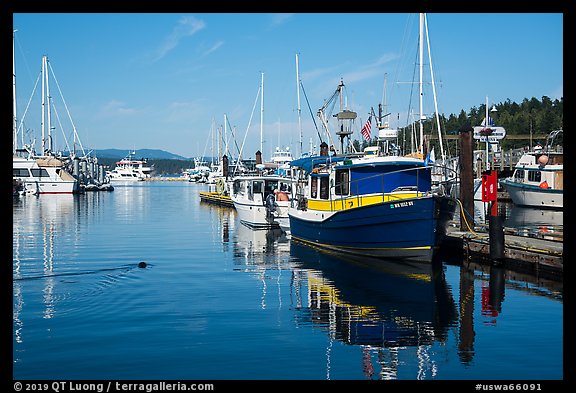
{"points": [[220, 301]]}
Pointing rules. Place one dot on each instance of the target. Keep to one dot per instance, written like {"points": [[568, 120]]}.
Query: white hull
{"points": [[530, 196], [43, 179], [256, 216], [126, 180], [50, 187], [538, 180], [249, 195], [284, 223]]}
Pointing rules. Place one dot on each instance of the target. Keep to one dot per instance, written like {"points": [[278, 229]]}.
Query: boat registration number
{"points": [[401, 204]]}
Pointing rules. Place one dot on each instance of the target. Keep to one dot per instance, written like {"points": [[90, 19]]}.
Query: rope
{"points": [[464, 216]]}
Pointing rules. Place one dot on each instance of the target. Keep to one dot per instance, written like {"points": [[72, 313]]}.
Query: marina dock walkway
{"points": [[541, 256]]}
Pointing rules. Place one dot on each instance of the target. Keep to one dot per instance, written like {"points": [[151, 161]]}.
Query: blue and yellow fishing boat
{"points": [[369, 204]]}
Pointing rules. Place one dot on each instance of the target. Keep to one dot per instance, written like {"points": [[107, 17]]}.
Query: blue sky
{"points": [[167, 80]]}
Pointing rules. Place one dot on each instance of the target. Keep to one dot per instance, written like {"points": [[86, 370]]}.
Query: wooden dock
{"points": [[216, 198], [542, 257]]}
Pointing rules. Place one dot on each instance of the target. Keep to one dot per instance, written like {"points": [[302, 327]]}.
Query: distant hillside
{"points": [[151, 154]]}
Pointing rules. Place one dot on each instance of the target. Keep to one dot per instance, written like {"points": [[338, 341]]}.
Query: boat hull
{"points": [[51, 178], [256, 216], [410, 229], [527, 195], [51, 187]]}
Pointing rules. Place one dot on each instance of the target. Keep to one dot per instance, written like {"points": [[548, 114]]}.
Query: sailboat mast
{"points": [[262, 117], [43, 106], [299, 111], [15, 122], [421, 66], [225, 135], [486, 125], [49, 105], [434, 93]]}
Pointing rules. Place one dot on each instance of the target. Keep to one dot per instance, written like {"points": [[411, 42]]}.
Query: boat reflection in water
{"points": [[534, 221], [387, 307], [264, 254], [251, 243]]}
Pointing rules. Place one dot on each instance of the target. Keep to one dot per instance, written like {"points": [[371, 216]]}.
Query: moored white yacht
{"points": [[130, 170], [42, 175]]}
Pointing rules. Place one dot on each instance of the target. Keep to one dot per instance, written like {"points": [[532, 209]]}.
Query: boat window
{"points": [[40, 172], [519, 174], [314, 187], [20, 172], [257, 187], [534, 176], [342, 182], [324, 187], [270, 187]]}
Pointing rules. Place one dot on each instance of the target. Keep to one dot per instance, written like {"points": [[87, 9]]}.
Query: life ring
{"points": [[220, 186]]}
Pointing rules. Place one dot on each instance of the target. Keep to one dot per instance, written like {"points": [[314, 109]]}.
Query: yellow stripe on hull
{"points": [[353, 202]]}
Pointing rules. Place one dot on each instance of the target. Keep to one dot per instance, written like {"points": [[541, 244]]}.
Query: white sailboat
{"points": [[262, 200], [45, 173]]}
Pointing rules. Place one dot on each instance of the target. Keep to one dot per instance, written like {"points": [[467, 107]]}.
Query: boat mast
{"points": [[262, 116], [434, 93], [487, 124], [225, 136], [299, 111], [15, 122], [421, 51], [43, 106], [46, 112]]}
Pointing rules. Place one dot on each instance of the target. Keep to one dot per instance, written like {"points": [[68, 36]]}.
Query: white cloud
{"points": [[187, 26], [186, 112], [117, 108], [213, 48], [280, 19]]}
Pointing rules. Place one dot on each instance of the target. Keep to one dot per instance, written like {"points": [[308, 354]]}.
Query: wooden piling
{"points": [[466, 174]]}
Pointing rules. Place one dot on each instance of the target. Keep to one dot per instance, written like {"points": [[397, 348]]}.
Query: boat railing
{"points": [[398, 193]]}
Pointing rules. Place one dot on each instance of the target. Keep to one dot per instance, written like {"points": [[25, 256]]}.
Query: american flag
{"points": [[366, 129]]}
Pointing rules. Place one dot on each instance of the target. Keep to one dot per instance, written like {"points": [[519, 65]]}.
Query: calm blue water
{"points": [[219, 301]]}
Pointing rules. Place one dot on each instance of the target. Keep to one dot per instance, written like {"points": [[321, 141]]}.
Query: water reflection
{"points": [[261, 252], [131, 203], [252, 244], [527, 221], [222, 223], [37, 226], [531, 221], [378, 305]]}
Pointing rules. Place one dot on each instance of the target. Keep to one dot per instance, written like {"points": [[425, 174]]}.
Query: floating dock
{"points": [[542, 257], [216, 198]]}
